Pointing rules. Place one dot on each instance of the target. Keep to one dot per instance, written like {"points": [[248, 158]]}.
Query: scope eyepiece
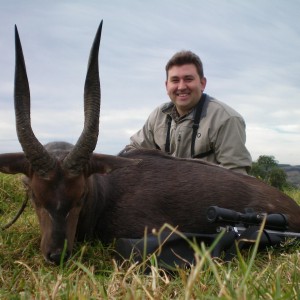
{"points": [[218, 214]]}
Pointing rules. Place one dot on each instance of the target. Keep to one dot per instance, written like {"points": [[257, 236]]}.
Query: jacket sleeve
{"points": [[230, 148], [144, 138]]}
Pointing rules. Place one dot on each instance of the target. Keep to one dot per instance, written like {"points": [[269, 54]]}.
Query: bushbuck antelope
{"points": [[78, 194]]}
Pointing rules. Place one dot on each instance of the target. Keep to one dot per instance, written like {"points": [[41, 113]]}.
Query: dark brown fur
{"points": [[162, 189]]}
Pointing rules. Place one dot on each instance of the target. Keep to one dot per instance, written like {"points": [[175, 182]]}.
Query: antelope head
{"points": [[57, 175]]}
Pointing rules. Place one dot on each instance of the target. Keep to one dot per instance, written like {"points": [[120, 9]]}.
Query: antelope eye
{"points": [[34, 199], [80, 200], [83, 196]]}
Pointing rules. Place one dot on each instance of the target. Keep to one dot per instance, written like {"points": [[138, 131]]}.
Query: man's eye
{"points": [[189, 79]]}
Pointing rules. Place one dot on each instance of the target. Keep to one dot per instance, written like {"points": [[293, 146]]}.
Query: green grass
{"points": [[93, 274]]}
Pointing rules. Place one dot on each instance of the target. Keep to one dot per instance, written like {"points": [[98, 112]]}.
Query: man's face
{"points": [[184, 87]]}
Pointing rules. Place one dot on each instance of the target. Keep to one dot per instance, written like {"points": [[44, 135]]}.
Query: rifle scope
{"points": [[217, 214]]}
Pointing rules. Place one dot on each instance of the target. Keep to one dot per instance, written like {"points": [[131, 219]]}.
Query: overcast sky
{"points": [[250, 51]]}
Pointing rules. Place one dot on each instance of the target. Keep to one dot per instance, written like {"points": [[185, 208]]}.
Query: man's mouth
{"points": [[182, 96]]}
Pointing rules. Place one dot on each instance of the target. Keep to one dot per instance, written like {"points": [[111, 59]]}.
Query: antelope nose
{"points": [[56, 257]]}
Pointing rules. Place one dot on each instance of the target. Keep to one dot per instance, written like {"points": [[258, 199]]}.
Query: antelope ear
{"points": [[104, 164], [13, 163]]}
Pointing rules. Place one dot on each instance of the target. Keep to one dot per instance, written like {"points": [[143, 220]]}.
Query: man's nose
{"points": [[181, 85]]}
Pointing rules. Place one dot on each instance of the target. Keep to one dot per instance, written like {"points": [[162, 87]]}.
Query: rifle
{"points": [[240, 230], [244, 228]]}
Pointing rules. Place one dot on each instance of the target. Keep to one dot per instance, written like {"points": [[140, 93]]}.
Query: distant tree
{"points": [[266, 168], [262, 167], [278, 178]]}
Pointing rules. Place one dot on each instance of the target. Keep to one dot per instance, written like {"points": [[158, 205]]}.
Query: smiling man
{"points": [[194, 124]]}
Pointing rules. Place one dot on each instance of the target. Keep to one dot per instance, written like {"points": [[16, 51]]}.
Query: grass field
{"points": [[93, 274]]}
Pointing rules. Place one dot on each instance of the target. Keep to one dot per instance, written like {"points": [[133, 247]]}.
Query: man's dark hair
{"points": [[185, 57]]}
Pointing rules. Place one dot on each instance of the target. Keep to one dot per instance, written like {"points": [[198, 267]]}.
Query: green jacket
{"points": [[221, 131]]}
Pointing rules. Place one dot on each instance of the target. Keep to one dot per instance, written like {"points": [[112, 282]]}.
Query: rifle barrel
{"points": [[288, 234]]}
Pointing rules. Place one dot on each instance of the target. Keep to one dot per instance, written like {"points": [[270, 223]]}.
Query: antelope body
{"points": [[78, 194]]}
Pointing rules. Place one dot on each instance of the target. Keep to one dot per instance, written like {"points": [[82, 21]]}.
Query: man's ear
{"points": [[203, 81], [104, 164]]}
